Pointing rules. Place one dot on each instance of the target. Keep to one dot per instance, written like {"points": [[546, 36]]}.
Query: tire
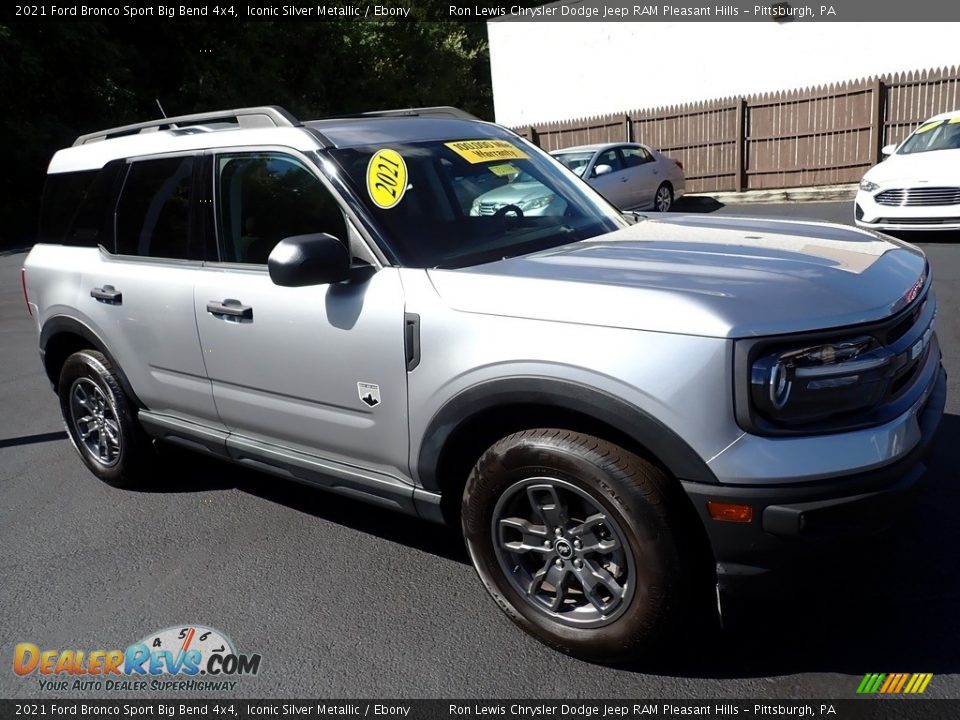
{"points": [[556, 478], [102, 421], [663, 200]]}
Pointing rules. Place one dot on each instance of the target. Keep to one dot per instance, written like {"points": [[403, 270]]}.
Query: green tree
{"points": [[60, 80]]}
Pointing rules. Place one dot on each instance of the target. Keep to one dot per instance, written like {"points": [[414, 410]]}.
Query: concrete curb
{"points": [[821, 193]]}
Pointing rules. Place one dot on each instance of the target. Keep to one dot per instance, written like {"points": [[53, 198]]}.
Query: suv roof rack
{"points": [[251, 117], [440, 111]]}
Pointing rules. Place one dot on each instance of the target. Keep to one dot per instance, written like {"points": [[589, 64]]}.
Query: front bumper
{"points": [[796, 521], [869, 214]]}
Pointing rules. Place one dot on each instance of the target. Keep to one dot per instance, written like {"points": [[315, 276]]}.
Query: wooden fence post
{"points": [[739, 154], [878, 88], [534, 135], [627, 129]]}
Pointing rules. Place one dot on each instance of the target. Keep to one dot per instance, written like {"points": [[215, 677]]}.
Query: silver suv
{"points": [[617, 411]]}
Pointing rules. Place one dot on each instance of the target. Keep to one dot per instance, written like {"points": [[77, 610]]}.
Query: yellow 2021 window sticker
{"points": [[386, 178], [478, 151]]}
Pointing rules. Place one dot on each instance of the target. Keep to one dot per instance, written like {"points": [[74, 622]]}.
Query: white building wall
{"points": [[544, 71]]}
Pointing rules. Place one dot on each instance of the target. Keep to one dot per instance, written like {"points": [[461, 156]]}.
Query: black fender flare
{"points": [[659, 440], [64, 324]]}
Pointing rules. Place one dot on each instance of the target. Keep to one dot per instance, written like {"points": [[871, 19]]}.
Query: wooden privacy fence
{"points": [[816, 136]]}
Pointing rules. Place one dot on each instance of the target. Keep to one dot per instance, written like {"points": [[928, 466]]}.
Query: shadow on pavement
{"points": [[696, 204], [190, 472], [33, 439], [889, 602], [916, 238], [886, 604]]}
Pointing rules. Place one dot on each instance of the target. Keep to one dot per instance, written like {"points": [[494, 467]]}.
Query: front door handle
{"points": [[107, 294], [230, 308]]}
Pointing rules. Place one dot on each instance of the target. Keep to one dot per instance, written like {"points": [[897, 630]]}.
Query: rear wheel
{"points": [[575, 539], [101, 420], [663, 200]]}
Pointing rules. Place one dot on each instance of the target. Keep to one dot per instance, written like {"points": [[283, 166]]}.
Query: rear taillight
{"points": [[23, 284], [679, 164]]}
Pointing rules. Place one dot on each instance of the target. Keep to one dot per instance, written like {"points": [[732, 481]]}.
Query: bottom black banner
{"points": [[872, 709]]}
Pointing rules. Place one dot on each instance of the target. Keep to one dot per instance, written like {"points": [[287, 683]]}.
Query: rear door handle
{"points": [[107, 294], [230, 308]]}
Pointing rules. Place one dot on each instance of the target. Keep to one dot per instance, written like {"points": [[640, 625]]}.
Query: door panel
{"points": [[289, 374], [291, 366], [642, 176], [613, 185], [152, 334]]}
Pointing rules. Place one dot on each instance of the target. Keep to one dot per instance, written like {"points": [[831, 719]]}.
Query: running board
{"points": [[360, 483]]}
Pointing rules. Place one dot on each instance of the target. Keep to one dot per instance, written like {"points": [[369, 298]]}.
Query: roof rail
{"points": [[251, 117], [440, 111]]}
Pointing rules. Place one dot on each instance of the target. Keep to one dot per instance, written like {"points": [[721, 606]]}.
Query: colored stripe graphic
{"points": [[894, 683]]}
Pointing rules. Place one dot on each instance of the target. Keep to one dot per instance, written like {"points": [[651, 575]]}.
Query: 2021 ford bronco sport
{"points": [[598, 399]]}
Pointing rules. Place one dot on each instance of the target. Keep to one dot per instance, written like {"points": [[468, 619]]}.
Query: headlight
{"points": [[803, 385], [868, 186], [536, 203]]}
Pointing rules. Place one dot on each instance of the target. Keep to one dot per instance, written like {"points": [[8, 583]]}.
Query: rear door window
{"points": [[153, 213], [634, 156]]}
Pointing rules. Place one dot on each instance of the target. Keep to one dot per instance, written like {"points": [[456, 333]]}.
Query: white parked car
{"points": [[629, 175], [918, 186]]}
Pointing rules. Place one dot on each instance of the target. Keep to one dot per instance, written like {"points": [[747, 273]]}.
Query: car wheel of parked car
{"points": [[663, 200], [574, 538], [101, 420]]}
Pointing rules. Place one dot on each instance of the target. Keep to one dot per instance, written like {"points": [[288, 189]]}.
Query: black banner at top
{"points": [[228, 11]]}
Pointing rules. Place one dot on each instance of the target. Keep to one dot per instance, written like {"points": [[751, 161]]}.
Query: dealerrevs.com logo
{"points": [[190, 657]]}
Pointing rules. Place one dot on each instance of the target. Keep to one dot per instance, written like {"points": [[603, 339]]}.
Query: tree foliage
{"points": [[60, 80]]}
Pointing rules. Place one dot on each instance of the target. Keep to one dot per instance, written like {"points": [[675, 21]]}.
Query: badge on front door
{"points": [[369, 393]]}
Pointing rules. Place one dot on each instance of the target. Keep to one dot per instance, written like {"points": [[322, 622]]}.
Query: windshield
{"points": [[457, 203], [934, 135], [575, 161]]}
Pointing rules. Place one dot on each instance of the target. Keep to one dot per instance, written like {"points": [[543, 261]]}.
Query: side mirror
{"points": [[317, 259], [889, 149], [601, 170]]}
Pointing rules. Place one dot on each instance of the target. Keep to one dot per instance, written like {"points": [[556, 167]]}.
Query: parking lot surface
{"points": [[346, 600]]}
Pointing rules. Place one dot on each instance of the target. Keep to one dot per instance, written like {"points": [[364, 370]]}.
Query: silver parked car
{"points": [[629, 175], [623, 415]]}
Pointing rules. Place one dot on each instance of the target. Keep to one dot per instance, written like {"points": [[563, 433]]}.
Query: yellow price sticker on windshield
{"points": [[928, 127], [504, 170], [954, 120], [478, 151], [386, 178]]}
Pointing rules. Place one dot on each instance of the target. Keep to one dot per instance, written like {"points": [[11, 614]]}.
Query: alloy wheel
{"points": [[95, 422], [563, 552]]}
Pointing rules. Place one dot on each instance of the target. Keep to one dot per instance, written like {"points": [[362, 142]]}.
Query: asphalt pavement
{"points": [[345, 600]]}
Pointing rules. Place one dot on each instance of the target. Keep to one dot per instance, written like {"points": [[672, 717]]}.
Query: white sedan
{"points": [[629, 175], [918, 186]]}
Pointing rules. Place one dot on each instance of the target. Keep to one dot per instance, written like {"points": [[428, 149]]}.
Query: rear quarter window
{"points": [[93, 223], [62, 195]]}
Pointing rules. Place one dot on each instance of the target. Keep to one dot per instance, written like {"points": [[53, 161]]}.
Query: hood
{"points": [[700, 275], [937, 167]]}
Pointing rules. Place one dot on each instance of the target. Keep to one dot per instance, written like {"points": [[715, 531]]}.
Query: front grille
{"points": [[917, 221], [489, 208], [919, 197]]}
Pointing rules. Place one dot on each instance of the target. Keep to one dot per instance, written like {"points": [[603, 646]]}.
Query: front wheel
{"points": [[663, 200], [575, 539]]}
